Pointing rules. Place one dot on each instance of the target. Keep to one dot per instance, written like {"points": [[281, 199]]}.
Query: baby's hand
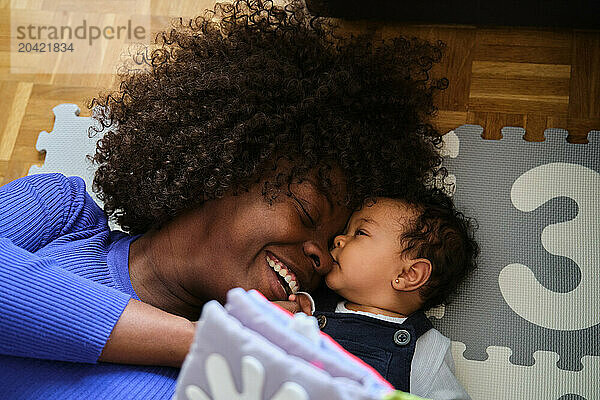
{"points": [[303, 302]]}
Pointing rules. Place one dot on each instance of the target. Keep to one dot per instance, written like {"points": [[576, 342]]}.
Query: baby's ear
{"points": [[413, 275]]}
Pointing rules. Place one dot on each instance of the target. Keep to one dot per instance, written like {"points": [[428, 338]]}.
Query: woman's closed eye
{"points": [[307, 217]]}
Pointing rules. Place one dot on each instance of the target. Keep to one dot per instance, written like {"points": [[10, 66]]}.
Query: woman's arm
{"points": [[48, 312], [146, 335]]}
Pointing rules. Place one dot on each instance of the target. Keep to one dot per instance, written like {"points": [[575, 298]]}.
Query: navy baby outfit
{"points": [[386, 346]]}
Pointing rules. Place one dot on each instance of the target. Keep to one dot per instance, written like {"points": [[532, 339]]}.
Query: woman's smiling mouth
{"points": [[287, 278]]}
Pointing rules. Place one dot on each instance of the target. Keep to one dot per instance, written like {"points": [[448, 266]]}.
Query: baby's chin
{"points": [[330, 283]]}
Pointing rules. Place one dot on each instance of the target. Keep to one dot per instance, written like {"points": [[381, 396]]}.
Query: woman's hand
{"points": [[146, 335]]}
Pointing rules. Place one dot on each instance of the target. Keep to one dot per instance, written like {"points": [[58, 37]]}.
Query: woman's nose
{"points": [[320, 257]]}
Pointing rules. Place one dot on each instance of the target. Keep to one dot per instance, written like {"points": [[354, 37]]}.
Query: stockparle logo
{"points": [[83, 37]]}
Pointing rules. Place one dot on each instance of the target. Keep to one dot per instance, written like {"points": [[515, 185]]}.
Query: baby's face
{"points": [[368, 253]]}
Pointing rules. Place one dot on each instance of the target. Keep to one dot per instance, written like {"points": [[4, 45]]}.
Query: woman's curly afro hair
{"points": [[220, 97]]}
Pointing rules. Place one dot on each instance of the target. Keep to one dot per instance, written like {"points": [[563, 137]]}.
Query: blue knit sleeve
{"points": [[46, 311]]}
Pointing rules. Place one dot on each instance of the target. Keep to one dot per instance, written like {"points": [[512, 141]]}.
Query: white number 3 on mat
{"points": [[577, 239]]}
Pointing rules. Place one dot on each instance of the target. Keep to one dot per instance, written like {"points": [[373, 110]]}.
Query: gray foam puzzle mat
{"points": [[528, 322]]}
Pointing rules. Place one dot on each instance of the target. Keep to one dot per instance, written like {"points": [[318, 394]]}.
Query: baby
{"points": [[396, 259]]}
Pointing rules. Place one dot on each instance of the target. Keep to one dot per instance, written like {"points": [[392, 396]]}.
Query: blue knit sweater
{"points": [[64, 282]]}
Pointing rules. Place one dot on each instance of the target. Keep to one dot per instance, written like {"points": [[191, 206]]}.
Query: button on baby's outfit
{"points": [[402, 337], [322, 320]]}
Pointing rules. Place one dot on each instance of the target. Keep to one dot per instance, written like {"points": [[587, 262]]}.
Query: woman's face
{"points": [[243, 241]]}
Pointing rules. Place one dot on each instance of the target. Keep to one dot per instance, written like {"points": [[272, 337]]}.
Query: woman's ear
{"points": [[415, 274]]}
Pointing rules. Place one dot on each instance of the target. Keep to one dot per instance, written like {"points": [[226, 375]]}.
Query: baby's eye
{"points": [[360, 232]]}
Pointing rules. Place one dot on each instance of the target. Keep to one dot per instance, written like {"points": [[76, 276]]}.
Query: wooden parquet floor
{"points": [[531, 78]]}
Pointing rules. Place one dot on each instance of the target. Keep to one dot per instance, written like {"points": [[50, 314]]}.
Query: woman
{"points": [[247, 135]]}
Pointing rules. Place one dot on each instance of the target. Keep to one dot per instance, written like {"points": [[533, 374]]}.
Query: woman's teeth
{"points": [[285, 274]]}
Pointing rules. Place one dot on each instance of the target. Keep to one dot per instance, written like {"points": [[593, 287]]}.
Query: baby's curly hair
{"points": [[221, 96], [444, 236]]}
